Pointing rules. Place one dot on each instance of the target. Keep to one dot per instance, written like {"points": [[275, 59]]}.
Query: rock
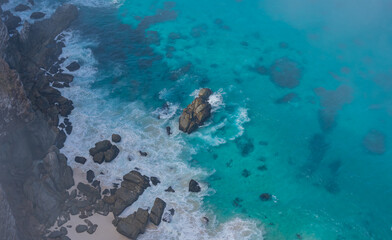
{"points": [[81, 228], [194, 186], [131, 188], [63, 78], [68, 129], [91, 193], [168, 130], [265, 197], [157, 211], [21, 8], [81, 160], [134, 224], [90, 176], [116, 138], [55, 234], [96, 184], [196, 113], [98, 158], [57, 85], [37, 15], [170, 189], [11, 21], [101, 146], [143, 154], [111, 154], [73, 66], [155, 181], [60, 140], [92, 229]]}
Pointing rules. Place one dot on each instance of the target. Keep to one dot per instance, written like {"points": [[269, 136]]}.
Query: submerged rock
{"points": [[157, 211], [194, 186], [265, 197], [196, 113]]}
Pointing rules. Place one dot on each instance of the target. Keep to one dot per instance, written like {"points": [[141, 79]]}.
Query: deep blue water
{"points": [[302, 110]]}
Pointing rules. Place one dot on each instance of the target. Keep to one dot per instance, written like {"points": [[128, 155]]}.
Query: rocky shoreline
{"points": [[37, 187]]}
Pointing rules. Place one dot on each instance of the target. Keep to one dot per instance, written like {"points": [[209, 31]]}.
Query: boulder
{"points": [[194, 186], [155, 181], [170, 189], [21, 8], [111, 153], [157, 211], [81, 160], [99, 158], [131, 188], [37, 15], [116, 138], [134, 224], [81, 228], [73, 66], [196, 113], [90, 176]]}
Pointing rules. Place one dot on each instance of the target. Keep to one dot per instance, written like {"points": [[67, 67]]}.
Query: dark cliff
{"points": [[33, 173]]}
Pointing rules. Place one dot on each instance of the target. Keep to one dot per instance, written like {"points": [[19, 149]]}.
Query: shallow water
{"points": [[298, 89]]}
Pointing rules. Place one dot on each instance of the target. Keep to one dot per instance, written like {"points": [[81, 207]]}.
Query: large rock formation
{"points": [[34, 178], [131, 188], [196, 113], [134, 224]]}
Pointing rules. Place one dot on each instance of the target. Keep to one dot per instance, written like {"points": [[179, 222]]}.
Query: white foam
{"points": [[240, 118], [95, 118]]}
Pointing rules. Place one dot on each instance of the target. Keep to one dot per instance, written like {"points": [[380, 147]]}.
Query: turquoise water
{"points": [[308, 150]]}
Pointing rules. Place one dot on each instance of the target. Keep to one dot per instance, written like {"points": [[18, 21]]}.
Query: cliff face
{"points": [[33, 174]]}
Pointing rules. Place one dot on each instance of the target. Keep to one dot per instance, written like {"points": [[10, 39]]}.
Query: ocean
{"points": [[301, 110]]}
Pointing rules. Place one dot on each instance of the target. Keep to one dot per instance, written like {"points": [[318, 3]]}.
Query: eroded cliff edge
{"points": [[34, 176]]}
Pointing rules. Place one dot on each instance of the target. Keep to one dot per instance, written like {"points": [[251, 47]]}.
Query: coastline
{"points": [[191, 205]]}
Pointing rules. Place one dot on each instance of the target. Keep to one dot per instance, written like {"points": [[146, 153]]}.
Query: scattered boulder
{"points": [[154, 181], [90, 176], [22, 8], [92, 229], [73, 66], [81, 228], [168, 216], [170, 189], [37, 15], [157, 211], [168, 130], [104, 151], [111, 154], [81, 160], [196, 113], [265, 197], [143, 154], [116, 138], [194, 186], [134, 224]]}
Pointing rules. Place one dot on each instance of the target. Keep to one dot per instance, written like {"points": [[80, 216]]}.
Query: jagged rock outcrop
{"points": [[134, 224], [131, 188], [33, 179], [46, 188], [196, 113], [157, 211]]}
